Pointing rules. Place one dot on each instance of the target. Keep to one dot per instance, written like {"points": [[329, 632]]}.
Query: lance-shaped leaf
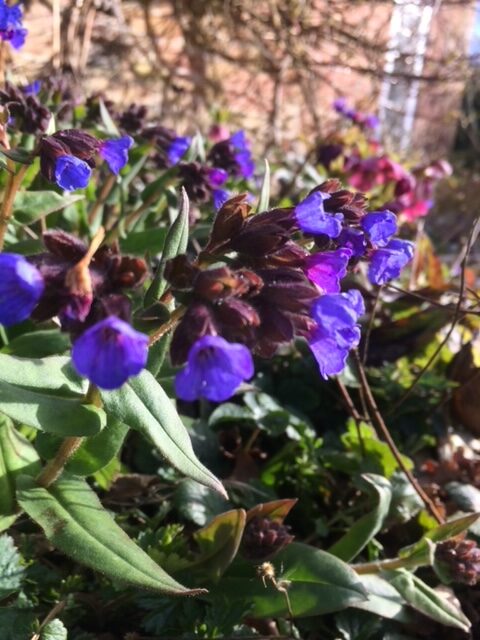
{"points": [[96, 452], [362, 531], [316, 583], [29, 206], [17, 456], [264, 200], [218, 543], [53, 374], [53, 414], [143, 405], [175, 244], [383, 599], [428, 601], [75, 522], [419, 552]]}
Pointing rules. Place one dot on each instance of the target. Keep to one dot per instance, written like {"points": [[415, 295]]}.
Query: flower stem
{"points": [[383, 429], [54, 468], [167, 326], [104, 193], [14, 181], [383, 565]]}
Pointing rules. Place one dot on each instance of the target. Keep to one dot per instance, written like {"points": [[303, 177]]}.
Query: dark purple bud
{"points": [[263, 538], [458, 561]]}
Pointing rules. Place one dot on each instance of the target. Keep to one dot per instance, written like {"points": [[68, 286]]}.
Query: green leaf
{"points": [[316, 581], [74, 521], [143, 405], [264, 200], [371, 450], [140, 242], [16, 623], [198, 503], [157, 354], [65, 417], [383, 599], [428, 601], [96, 452], [363, 530], [110, 126], [17, 455], [218, 543], [12, 572], [30, 206], [54, 373], [54, 630], [175, 244], [38, 344], [421, 550], [22, 156]]}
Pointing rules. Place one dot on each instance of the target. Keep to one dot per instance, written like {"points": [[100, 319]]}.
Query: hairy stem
{"points": [[167, 326], [14, 181], [54, 468]]}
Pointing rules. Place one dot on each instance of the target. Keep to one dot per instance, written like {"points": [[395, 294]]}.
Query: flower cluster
{"points": [[25, 109], [458, 560], [255, 287], [365, 120], [68, 157], [367, 167], [86, 294], [11, 27]]}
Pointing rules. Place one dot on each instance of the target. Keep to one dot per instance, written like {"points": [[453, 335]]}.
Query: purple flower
{"points": [[380, 226], [340, 105], [11, 28], [71, 173], [337, 330], [312, 217], [214, 370], [110, 352], [243, 155], [178, 148], [115, 152], [371, 121], [353, 239], [388, 262], [328, 268], [220, 196], [217, 177], [21, 287]]}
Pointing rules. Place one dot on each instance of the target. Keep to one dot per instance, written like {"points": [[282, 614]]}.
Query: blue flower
{"points": [[21, 287], [380, 226], [312, 217], [178, 148], [220, 196], [110, 352], [214, 370], [353, 239], [115, 152], [243, 155], [387, 263], [327, 268], [71, 173], [337, 330], [11, 28], [33, 88]]}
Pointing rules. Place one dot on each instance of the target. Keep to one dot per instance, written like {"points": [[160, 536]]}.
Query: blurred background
{"points": [[273, 67]]}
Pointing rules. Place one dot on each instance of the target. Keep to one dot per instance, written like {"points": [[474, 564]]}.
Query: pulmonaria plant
{"points": [[255, 287]]}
